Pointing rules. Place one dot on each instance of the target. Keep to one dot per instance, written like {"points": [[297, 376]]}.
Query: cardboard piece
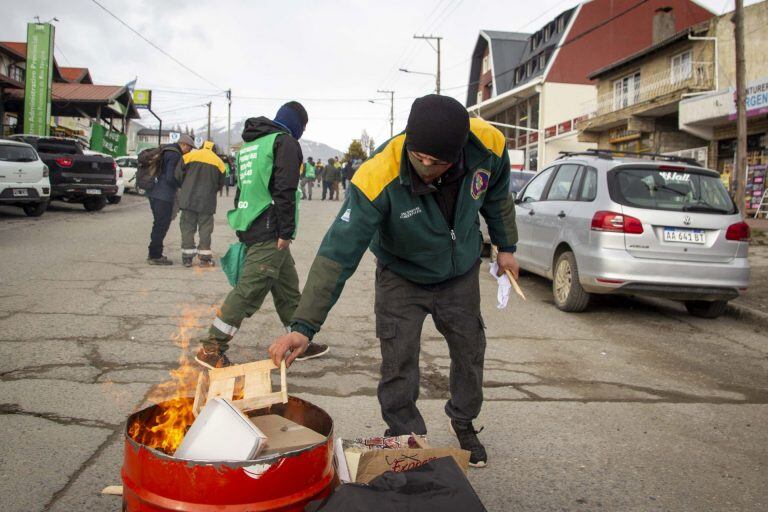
{"points": [[359, 463], [283, 435]]}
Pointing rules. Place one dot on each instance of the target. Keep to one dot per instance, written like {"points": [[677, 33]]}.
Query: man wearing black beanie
{"points": [[415, 203]]}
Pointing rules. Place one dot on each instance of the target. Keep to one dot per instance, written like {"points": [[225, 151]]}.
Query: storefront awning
{"points": [[79, 100]]}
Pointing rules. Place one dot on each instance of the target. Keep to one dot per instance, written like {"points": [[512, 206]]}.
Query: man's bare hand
{"points": [[294, 342], [283, 244], [507, 261]]}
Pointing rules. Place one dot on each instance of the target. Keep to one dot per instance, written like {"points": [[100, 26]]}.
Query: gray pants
{"points": [[401, 307], [306, 188], [190, 223]]}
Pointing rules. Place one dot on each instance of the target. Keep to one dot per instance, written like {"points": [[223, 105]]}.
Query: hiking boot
{"points": [[467, 436], [187, 260], [162, 260], [313, 350], [207, 262], [213, 359]]}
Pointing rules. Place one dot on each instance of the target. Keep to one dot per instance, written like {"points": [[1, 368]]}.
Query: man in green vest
{"points": [[308, 179], [264, 218], [415, 204]]}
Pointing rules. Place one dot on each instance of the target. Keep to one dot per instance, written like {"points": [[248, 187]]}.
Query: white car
{"points": [[24, 180], [113, 199], [129, 165]]}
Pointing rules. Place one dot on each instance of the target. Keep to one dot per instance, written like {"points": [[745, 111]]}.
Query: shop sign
{"points": [[522, 140], [579, 120], [37, 91], [533, 137], [142, 98], [565, 127], [550, 131], [110, 142]]}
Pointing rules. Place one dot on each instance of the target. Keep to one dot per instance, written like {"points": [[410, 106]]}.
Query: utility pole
{"points": [[208, 136], [740, 170], [229, 121], [438, 39], [391, 110]]}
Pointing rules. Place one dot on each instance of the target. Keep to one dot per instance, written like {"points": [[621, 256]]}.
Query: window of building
{"points": [[561, 23], [547, 32], [681, 67], [529, 68], [626, 91], [542, 61], [486, 63], [479, 96], [519, 75], [15, 73]]}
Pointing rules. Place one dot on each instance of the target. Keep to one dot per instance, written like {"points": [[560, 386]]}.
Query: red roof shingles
{"points": [[79, 92], [76, 75]]}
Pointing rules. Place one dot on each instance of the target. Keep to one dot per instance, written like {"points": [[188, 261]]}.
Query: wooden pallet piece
{"points": [[256, 382]]}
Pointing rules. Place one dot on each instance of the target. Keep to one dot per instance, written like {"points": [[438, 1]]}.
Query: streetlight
{"points": [[416, 72]]}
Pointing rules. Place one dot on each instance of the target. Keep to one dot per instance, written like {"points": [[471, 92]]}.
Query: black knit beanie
{"points": [[437, 126]]}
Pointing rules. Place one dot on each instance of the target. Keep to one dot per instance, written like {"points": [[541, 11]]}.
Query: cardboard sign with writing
{"points": [[375, 462]]}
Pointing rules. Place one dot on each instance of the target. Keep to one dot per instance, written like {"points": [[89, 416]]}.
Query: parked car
{"points": [[598, 223], [75, 177], [24, 178], [129, 165], [118, 196]]}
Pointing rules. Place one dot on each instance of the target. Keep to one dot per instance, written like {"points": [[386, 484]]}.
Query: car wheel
{"points": [[706, 308], [35, 209], [94, 204], [114, 199], [568, 293]]}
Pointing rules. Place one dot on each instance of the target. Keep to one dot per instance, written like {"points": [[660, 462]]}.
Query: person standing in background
{"points": [[308, 179]]}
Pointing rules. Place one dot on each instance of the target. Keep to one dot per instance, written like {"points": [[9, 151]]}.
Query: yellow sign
{"points": [[142, 98]]}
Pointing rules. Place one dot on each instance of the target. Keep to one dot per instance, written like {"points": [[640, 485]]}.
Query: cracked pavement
{"points": [[631, 406]]}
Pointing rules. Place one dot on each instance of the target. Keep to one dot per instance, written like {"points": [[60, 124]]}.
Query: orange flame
{"points": [[166, 429]]}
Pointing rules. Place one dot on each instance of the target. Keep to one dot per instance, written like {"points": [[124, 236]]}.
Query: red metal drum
{"points": [[154, 481]]}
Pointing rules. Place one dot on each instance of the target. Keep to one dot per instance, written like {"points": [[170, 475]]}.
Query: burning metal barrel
{"points": [[155, 481]]}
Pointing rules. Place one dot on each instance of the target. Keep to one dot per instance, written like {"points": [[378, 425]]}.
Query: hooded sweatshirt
{"points": [[202, 178], [279, 219]]}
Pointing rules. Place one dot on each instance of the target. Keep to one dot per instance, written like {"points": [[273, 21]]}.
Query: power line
{"points": [[177, 61]]}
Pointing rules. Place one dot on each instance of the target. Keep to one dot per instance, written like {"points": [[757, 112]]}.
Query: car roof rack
{"points": [[610, 154]]}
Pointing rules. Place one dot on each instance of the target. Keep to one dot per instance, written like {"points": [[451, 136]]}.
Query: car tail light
{"points": [[120, 175], [617, 223], [738, 232], [64, 161]]}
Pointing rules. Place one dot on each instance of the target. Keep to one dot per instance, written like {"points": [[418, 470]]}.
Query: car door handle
{"points": [[561, 215], [531, 212]]}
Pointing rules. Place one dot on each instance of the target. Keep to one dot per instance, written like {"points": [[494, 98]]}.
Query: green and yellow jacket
{"points": [[407, 232]]}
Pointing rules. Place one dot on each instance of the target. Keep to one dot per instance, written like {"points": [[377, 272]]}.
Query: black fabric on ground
{"points": [[438, 486]]}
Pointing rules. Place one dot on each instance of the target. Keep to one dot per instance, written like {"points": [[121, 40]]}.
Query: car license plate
{"points": [[93, 191], [20, 192], [690, 236]]}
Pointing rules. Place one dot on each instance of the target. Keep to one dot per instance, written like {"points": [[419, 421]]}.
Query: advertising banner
{"points": [[107, 141], [37, 92], [142, 98]]}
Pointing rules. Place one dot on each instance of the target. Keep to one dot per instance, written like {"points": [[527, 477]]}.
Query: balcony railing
{"points": [[698, 76]]}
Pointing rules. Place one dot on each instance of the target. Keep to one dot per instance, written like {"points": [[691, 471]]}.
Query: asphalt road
{"points": [[631, 406]]}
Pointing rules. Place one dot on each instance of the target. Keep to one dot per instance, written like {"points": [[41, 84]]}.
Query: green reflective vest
{"points": [[309, 171], [255, 162]]}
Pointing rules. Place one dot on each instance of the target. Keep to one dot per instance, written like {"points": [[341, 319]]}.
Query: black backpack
{"points": [[149, 165]]}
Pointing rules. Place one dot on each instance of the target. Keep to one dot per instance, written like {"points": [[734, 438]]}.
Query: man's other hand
{"points": [[283, 244], [507, 261], [294, 342]]}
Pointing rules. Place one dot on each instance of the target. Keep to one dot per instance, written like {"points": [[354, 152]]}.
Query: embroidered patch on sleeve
{"points": [[480, 182]]}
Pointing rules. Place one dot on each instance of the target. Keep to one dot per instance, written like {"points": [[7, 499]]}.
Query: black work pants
{"points": [[401, 307], [162, 213]]}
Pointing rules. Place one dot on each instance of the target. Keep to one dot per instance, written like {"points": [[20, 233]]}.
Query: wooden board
{"points": [[253, 379]]}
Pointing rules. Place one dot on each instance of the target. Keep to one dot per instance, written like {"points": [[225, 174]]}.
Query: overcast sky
{"points": [[332, 55]]}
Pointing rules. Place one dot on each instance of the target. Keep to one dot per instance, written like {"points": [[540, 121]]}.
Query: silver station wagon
{"points": [[600, 222]]}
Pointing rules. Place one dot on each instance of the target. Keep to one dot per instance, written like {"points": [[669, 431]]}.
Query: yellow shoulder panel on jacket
{"points": [[489, 135], [378, 172], [205, 156]]}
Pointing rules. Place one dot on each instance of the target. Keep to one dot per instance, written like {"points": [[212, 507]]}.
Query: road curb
{"points": [[742, 312]]}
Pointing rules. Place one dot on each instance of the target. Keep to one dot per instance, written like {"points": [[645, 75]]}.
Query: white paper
{"points": [[505, 286]]}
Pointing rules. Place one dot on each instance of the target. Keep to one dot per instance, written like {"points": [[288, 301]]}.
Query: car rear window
{"points": [[673, 190], [58, 146], [17, 154]]}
